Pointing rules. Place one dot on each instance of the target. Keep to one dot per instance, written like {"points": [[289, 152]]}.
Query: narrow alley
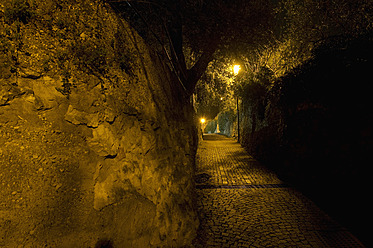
{"points": [[243, 204]]}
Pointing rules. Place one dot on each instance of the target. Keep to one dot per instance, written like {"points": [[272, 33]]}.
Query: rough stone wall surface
{"points": [[96, 145]]}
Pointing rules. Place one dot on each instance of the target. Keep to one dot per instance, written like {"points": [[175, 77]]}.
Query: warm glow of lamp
{"points": [[236, 69], [203, 120]]}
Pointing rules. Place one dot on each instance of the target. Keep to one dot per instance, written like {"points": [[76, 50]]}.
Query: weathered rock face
{"points": [[96, 143]]}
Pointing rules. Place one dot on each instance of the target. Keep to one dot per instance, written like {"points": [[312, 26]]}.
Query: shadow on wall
{"points": [[104, 243]]}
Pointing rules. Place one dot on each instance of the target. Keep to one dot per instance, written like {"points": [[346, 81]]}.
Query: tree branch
{"points": [[175, 35], [196, 72]]}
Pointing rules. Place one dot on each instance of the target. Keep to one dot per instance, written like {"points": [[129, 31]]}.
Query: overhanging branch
{"points": [[196, 72]]}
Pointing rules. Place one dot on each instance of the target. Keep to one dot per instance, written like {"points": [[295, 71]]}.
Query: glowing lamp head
{"points": [[236, 69], [203, 120]]}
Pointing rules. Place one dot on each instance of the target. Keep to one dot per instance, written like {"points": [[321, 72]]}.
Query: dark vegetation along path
{"points": [[243, 204]]}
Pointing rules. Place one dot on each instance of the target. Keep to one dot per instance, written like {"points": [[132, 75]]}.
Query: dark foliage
{"points": [[91, 56], [203, 27], [225, 118], [19, 10], [210, 126], [320, 136], [328, 98]]}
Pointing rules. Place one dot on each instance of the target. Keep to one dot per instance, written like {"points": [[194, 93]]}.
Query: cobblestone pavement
{"points": [[243, 204]]}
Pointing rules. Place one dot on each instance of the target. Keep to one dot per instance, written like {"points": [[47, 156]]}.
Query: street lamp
{"points": [[202, 120], [236, 70]]}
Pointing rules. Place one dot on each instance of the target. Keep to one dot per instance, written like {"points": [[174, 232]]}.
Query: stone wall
{"points": [[97, 141]]}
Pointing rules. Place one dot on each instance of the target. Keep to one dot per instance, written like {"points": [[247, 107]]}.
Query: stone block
{"points": [[104, 141]]}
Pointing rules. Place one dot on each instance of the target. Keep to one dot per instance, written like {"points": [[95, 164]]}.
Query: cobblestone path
{"points": [[243, 204]]}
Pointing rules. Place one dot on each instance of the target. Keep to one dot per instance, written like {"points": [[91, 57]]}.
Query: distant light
{"points": [[221, 98], [203, 120], [236, 69]]}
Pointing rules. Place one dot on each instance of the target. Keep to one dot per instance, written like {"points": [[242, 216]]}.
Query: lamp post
{"points": [[238, 123], [236, 70]]}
